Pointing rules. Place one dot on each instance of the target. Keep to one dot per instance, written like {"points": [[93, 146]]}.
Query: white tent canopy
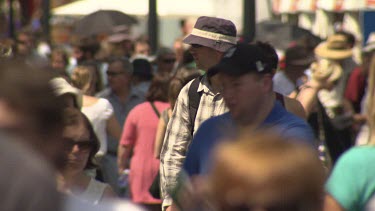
{"points": [[138, 7]]}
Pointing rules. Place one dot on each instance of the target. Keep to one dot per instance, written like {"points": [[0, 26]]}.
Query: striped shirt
{"points": [[178, 136]]}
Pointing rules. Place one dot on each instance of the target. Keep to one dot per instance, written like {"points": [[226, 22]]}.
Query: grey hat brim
{"points": [[217, 45]]}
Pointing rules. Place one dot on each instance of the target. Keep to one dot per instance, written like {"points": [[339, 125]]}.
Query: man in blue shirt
{"points": [[247, 88]]}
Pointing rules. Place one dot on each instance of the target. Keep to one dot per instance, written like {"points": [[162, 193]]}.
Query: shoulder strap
{"points": [[280, 98], [155, 109], [194, 99]]}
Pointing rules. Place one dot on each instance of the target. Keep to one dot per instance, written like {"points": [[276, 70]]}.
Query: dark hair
{"points": [[142, 68], [126, 64], [99, 82], [87, 45], [158, 90], [75, 118], [182, 77]]}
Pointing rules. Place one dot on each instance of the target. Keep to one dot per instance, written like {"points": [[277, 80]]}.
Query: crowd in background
{"points": [[99, 123]]}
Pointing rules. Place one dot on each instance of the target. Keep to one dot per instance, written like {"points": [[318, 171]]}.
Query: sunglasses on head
{"points": [[82, 145]]}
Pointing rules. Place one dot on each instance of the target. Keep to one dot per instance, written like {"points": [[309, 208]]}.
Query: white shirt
{"points": [[98, 114]]}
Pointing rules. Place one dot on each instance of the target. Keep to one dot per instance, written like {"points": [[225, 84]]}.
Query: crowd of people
{"points": [[212, 124]]}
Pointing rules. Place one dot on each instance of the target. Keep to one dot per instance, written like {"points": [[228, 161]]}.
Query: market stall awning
{"points": [[138, 7], [294, 6]]}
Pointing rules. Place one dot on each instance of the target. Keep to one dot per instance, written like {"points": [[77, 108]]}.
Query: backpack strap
{"points": [[155, 109], [194, 99], [280, 98]]}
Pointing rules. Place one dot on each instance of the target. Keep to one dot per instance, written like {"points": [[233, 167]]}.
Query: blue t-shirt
{"points": [[218, 128]]}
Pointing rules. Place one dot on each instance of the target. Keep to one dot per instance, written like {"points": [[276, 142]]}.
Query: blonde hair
{"points": [[370, 101], [263, 169], [83, 77]]}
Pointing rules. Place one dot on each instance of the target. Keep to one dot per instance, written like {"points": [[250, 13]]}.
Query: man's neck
{"points": [[264, 109], [122, 94], [214, 83]]}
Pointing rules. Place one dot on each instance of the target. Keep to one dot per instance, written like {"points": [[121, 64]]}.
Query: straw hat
{"points": [[370, 43], [326, 70], [336, 47]]}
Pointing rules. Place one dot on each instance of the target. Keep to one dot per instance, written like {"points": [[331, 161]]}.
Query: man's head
{"points": [[30, 109], [297, 60], [25, 42], [209, 39], [142, 48], [119, 73], [165, 60], [245, 74]]}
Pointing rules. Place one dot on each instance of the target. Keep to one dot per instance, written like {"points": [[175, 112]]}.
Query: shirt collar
{"points": [[204, 85]]}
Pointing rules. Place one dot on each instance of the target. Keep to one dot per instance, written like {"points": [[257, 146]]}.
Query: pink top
{"points": [[139, 133]]}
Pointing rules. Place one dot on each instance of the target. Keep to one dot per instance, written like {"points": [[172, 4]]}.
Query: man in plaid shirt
{"points": [[209, 40]]}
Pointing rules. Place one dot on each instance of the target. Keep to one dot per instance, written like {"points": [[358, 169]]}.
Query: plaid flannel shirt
{"points": [[178, 134]]}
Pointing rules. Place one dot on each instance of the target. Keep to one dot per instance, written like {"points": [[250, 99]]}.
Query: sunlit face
{"points": [[204, 57], [117, 76], [166, 63], [77, 143], [57, 61], [242, 95], [142, 49], [24, 44]]}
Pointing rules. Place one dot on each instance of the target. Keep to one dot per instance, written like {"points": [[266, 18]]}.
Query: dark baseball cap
{"points": [[242, 59]]}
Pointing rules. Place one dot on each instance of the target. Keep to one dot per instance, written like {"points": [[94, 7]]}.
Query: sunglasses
{"points": [[169, 61], [110, 73], [196, 46], [82, 145]]}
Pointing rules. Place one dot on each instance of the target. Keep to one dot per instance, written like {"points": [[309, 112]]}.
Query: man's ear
{"points": [[267, 83]]}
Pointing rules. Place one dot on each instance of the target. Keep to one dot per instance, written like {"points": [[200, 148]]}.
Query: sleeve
{"points": [[352, 87], [192, 162], [301, 131], [176, 141], [129, 132], [108, 109], [342, 185]]}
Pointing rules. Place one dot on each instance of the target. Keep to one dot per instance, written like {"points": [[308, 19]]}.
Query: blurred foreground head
{"points": [[266, 172], [30, 109], [27, 182]]}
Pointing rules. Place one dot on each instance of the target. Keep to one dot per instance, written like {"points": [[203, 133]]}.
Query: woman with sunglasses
{"points": [[80, 146]]}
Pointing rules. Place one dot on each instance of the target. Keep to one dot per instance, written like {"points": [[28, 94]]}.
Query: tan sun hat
{"points": [[61, 87], [326, 70], [336, 47]]}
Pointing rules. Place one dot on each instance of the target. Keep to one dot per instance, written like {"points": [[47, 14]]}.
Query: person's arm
{"points": [[123, 156], [127, 141], [295, 107], [159, 137], [176, 141], [113, 127], [330, 204], [307, 96]]}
